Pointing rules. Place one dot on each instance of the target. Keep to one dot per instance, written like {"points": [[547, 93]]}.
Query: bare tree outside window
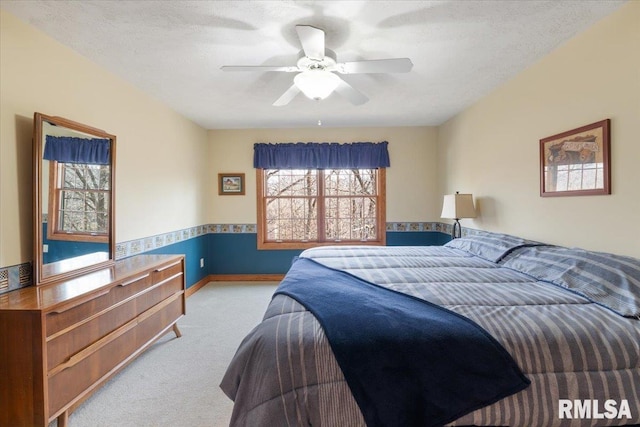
{"points": [[323, 206]]}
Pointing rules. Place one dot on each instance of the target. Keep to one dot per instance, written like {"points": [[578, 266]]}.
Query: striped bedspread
{"points": [[570, 347]]}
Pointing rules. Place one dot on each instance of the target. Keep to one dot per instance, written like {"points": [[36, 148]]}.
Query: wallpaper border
{"points": [[20, 276]]}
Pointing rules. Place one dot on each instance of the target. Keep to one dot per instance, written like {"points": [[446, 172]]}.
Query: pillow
{"points": [[612, 281], [490, 246]]}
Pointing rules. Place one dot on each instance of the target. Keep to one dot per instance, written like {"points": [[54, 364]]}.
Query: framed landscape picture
{"points": [[231, 184], [576, 162]]}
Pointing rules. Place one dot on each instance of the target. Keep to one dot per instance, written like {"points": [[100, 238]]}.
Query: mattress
{"points": [[569, 319]]}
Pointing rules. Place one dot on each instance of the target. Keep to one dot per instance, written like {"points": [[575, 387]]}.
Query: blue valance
{"points": [[325, 155], [67, 149]]}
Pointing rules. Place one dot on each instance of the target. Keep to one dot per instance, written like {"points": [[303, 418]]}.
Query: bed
{"points": [[567, 319]]}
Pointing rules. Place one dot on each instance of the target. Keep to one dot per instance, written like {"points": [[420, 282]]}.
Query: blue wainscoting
{"points": [[228, 250], [65, 249], [237, 253], [193, 249]]}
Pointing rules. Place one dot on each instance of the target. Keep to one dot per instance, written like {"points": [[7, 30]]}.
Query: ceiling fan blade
{"points": [[287, 96], [258, 68], [312, 40], [395, 65], [353, 95]]}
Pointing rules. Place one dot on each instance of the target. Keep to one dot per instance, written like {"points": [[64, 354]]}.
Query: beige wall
{"points": [[411, 179], [492, 149], [161, 173], [167, 166]]}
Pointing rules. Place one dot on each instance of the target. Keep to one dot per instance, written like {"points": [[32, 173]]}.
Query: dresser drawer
{"points": [[63, 345], [67, 316], [104, 357], [165, 272]]}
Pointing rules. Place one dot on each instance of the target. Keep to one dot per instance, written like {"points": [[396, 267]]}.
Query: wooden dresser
{"points": [[59, 342]]}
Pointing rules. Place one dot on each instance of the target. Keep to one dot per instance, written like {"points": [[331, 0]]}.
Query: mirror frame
{"points": [[40, 276]]}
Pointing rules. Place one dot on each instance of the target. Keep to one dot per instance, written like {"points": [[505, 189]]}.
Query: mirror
{"points": [[74, 170]]}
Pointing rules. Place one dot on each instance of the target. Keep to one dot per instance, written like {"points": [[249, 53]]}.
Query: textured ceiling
{"points": [[173, 50]]}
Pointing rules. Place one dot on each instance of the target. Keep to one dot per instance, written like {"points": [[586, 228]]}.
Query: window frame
{"points": [[53, 230], [268, 245]]}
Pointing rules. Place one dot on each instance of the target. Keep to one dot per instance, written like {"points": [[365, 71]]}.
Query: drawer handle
{"points": [[160, 269], [69, 307], [127, 283]]}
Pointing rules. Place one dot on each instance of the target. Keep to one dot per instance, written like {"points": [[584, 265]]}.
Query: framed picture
{"points": [[576, 162], [231, 184]]}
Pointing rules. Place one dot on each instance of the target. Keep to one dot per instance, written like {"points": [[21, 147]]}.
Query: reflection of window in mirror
{"points": [[78, 202]]}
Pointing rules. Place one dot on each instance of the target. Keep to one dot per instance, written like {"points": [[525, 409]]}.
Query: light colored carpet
{"points": [[176, 382]]}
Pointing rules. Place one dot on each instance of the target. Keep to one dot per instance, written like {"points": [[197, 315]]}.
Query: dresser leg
{"points": [[63, 419], [176, 330]]}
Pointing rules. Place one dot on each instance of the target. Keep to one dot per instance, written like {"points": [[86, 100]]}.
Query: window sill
{"points": [[307, 245]]}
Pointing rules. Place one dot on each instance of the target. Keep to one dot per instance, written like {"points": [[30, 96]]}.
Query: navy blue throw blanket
{"points": [[407, 362]]}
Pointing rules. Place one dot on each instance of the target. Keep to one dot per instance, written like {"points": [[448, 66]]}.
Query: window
{"points": [[79, 204], [302, 208]]}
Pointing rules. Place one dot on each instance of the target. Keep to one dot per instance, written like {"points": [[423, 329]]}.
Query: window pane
{"points": [[364, 182], [292, 219], [350, 218], [291, 183], [93, 177], [345, 182], [70, 174], [72, 200], [71, 221]]}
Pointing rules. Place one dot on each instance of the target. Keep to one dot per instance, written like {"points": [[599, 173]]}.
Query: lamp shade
{"points": [[316, 84], [456, 206]]}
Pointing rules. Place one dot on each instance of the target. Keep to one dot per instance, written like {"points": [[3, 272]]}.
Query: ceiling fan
{"points": [[316, 69]]}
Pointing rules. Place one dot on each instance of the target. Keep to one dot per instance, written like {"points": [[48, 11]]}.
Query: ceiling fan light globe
{"points": [[316, 84]]}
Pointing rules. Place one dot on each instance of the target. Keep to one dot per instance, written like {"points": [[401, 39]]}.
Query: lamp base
{"points": [[456, 230]]}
